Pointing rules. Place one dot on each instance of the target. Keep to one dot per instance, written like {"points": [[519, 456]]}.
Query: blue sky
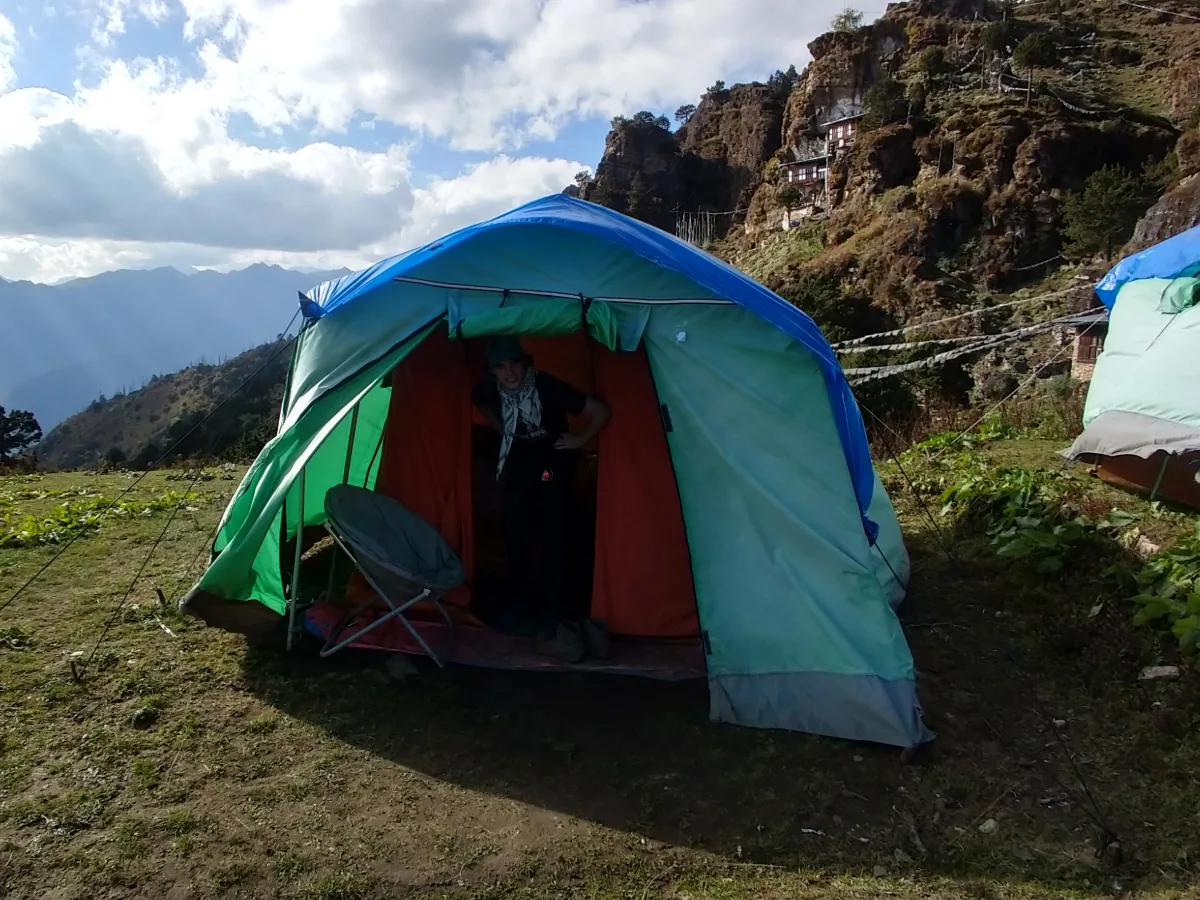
{"points": [[330, 132]]}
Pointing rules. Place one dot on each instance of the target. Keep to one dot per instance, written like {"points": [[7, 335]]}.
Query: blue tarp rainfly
{"points": [[658, 247], [1174, 258]]}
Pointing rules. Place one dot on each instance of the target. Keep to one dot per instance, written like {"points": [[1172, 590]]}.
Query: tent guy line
{"points": [[79, 672], [280, 344]]}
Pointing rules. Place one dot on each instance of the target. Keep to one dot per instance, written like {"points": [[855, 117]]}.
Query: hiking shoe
{"points": [[566, 643], [595, 638]]}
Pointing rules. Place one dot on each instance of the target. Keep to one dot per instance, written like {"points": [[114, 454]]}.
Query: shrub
{"points": [[998, 37], [848, 19], [1105, 212], [884, 103], [1035, 51]]}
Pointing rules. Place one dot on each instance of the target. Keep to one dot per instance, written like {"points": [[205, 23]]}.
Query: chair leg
{"points": [[396, 612], [440, 661]]}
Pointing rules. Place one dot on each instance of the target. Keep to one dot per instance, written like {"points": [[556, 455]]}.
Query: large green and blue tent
{"points": [[1142, 415], [733, 427]]}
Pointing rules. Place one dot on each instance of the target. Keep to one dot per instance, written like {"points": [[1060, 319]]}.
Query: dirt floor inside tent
{"points": [[187, 764]]}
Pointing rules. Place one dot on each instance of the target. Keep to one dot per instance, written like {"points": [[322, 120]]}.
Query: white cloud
{"points": [[139, 163], [444, 205], [316, 198], [109, 16], [483, 191], [486, 74]]}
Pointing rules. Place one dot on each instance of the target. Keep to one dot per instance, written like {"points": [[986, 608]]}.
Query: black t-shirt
{"points": [[559, 400]]}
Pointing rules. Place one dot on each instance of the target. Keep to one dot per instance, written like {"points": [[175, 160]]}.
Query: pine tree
{"points": [[884, 104], [1103, 215], [635, 198], [1038, 49], [684, 113], [19, 431]]}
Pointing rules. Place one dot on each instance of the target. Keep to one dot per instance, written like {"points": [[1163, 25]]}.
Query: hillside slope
{"points": [[63, 346], [140, 426], [951, 194]]}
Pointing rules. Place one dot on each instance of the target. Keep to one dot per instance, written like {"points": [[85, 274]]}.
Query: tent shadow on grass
{"points": [[640, 756]]}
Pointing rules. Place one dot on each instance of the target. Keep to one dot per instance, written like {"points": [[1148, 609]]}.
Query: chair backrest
{"points": [[392, 535]]}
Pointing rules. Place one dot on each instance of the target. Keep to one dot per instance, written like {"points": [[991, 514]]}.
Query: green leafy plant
{"points": [[83, 516], [1169, 593], [1030, 514], [990, 430], [1026, 514]]}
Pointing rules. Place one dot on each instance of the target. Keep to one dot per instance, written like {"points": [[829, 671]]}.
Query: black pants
{"points": [[537, 504]]}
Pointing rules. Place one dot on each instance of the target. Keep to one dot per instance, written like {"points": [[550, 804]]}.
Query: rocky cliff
{"points": [[713, 162], [1179, 208], [967, 189], [954, 186]]}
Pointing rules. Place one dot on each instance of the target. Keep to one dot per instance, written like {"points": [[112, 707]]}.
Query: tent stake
{"points": [[292, 598], [1161, 472]]}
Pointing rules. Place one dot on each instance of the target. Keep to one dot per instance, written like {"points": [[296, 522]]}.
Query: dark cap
{"points": [[503, 348]]}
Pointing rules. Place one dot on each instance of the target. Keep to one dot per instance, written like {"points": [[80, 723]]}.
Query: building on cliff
{"points": [[807, 179], [1087, 332]]}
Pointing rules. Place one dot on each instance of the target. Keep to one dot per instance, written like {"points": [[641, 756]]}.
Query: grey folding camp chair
{"points": [[399, 554]]}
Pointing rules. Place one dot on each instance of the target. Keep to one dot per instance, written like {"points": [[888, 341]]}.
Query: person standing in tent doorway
{"points": [[538, 455]]}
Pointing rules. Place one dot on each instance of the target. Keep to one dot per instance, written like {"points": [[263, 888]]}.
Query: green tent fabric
{"points": [[543, 317], [797, 558], [1180, 294]]}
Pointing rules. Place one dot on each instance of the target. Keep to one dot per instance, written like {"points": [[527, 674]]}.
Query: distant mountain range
{"points": [[65, 345]]}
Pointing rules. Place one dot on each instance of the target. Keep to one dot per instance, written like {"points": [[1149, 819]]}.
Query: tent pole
{"points": [[374, 456], [345, 480], [293, 600], [350, 442], [1161, 473]]}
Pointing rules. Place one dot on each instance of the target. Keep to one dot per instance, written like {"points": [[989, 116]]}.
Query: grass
{"points": [[190, 763], [778, 252]]}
